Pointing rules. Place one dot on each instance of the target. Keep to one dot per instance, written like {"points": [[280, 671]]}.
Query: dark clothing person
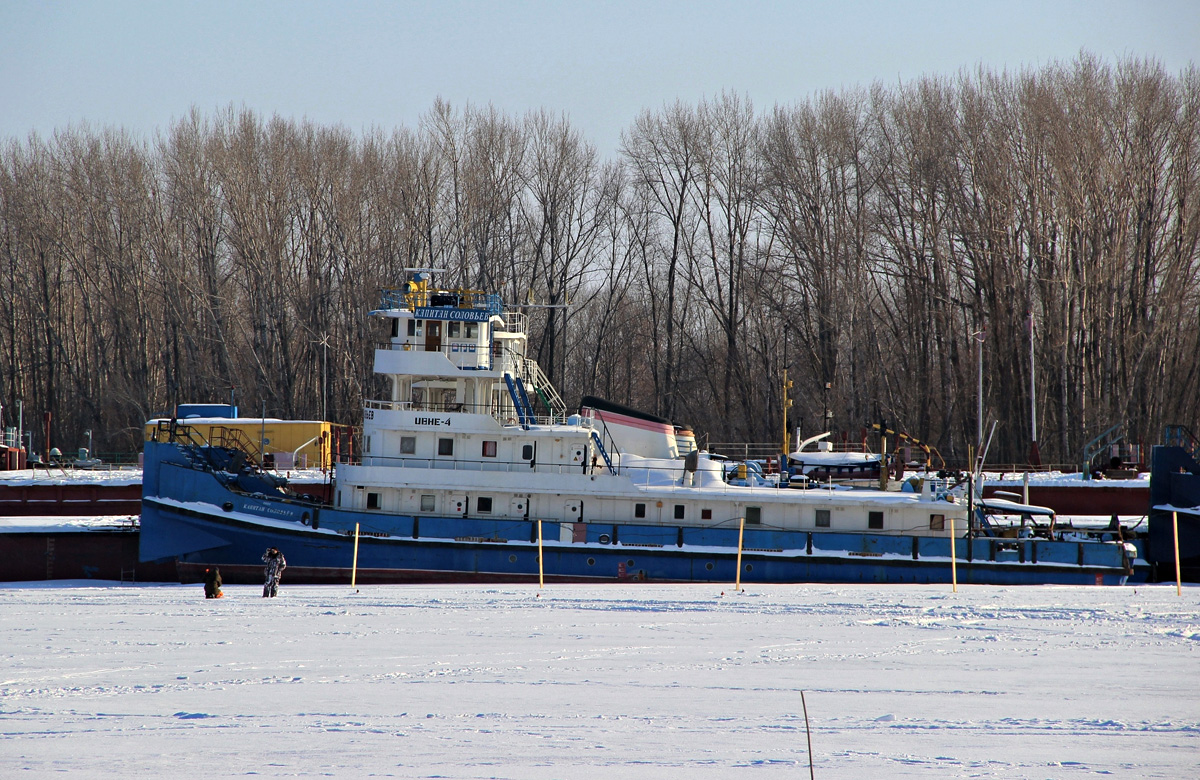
{"points": [[276, 563], [212, 583]]}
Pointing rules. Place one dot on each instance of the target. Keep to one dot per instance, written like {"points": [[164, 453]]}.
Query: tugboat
{"points": [[474, 470]]}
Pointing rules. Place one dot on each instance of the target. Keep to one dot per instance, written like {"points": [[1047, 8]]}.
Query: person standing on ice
{"points": [[212, 583], [276, 563]]}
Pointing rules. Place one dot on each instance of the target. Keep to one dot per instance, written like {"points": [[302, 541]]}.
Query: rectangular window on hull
{"points": [[706, 514], [639, 510], [875, 521], [937, 522], [445, 446], [679, 511], [427, 503], [483, 505], [489, 449], [408, 445], [527, 452], [822, 518], [372, 500], [753, 515]]}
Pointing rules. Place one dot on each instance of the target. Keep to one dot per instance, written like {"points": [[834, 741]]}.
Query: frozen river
{"points": [[599, 681]]}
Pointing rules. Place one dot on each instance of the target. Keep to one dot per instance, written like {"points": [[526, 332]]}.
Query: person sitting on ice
{"points": [[212, 583], [276, 563]]}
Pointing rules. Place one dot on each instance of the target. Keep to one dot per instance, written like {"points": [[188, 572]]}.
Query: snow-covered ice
{"points": [[574, 681]]}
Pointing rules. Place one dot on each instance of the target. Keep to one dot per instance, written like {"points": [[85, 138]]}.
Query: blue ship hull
{"points": [[198, 518]]}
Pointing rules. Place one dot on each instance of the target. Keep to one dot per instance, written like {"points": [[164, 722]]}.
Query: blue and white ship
{"points": [[473, 470]]}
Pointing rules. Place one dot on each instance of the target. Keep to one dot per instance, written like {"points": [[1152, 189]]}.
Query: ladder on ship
{"points": [[516, 390], [1098, 445], [1181, 436], [544, 389]]}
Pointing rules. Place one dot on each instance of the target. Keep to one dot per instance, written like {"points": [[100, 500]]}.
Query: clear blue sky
{"points": [[141, 65]]}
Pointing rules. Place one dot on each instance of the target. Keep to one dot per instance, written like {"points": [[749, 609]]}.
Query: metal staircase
{"points": [[195, 443], [1098, 445], [236, 439], [1181, 436], [544, 389], [516, 391]]}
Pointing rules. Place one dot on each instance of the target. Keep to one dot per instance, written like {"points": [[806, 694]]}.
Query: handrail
{"points": [[603, 452], [235, 438], [1094, 448], [1181, 436], [460, 298], [545, 389], [440, 407]]}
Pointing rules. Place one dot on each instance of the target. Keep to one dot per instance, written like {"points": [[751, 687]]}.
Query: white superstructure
{"points": [[473, 428]]}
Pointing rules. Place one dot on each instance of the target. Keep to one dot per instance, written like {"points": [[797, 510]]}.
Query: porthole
{"points": [[512, 559], [629, 562], [749, 567], [304, 518], [708, 566], [227, 506], [591, 561], [604, 539]]}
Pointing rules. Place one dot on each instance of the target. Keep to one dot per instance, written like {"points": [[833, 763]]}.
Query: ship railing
{"points": [[470, 357], [458, 464], [432, 405], [514, 322], [1017, 469], [236, 439], [461, 298], [502, 415], [172, 431], [745, 450], [666, 479]]}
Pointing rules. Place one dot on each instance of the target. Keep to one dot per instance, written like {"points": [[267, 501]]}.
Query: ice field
{"points": [[102, 680]]}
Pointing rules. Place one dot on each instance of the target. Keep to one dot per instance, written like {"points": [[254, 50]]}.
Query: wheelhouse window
{"points": [[875, 521], [822, 518], [427, 503], [414, 327], [483, 505], [445, 446], [489, 449], [395, 328], [470, 330], [639, 510], [679, 511], [452, 330], [937, 522], [408, 445], [753, 515]]}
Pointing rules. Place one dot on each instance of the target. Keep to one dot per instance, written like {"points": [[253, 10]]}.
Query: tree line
{"points": [[875, 242]]}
